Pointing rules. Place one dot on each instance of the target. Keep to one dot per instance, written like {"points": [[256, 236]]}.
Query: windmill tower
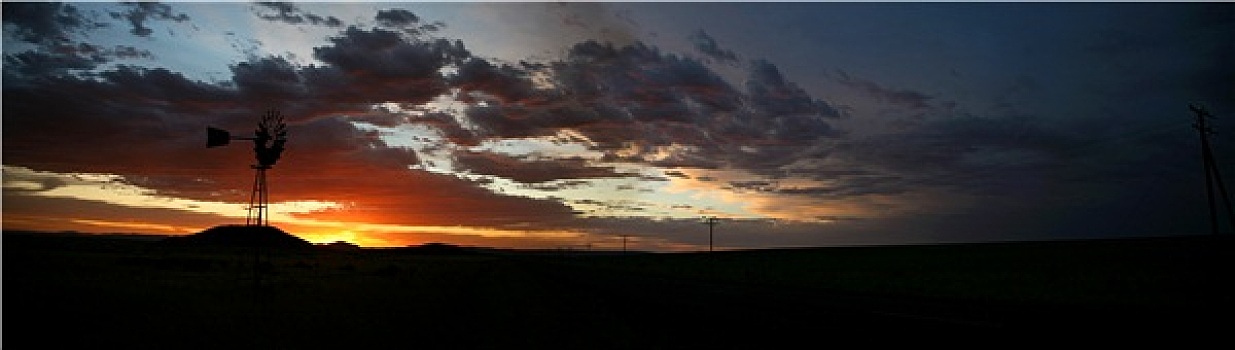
{"points": [[268, 141]]}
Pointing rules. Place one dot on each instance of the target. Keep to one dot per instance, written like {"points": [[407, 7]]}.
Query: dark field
{"points": [[67, 291]]}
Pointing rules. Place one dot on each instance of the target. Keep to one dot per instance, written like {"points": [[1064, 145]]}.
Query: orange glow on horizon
{"points": [[143, 226], [370, 212]]}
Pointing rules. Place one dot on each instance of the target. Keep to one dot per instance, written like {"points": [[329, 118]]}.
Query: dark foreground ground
{"points": [[64, 292]]}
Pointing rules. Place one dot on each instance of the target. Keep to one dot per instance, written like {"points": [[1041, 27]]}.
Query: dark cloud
{"points": [[50, 26], [517, 121], [126, 52], [607, 207], [850, 189], [558, 185], [270, 78], [383, 54], [757, 185], [63, 59], [706, 45], [530, 171], [677, 174], [771, 94], [396, 18], [507, 83], [901, 97], [405, 21], [362, 68], [141, 12], [33, 63], [643, 84], [448, 127], [44, 23], [110, 122], [672, 111], [289, 13], [155, 88], [101, 54], [846, 187]]}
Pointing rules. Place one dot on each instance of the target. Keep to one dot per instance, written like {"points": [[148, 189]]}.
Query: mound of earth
{"points": [[241, 236], [435, 248]]}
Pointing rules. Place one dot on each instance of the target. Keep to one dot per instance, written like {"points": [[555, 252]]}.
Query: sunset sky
{"points": [[569, 125]]}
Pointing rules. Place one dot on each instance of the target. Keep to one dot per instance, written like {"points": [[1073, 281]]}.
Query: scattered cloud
{"points": [[45, 23], [141, 12], [708, 47], [405, 21], [534, 171], [901, 97], [289, 13]]}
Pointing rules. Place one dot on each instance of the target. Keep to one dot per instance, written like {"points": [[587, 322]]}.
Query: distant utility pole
{"points": [[711, 221], [624, 242], [1211, 170]]}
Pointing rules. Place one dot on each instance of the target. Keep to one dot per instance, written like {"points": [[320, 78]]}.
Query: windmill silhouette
{"points": [[268, 144]]}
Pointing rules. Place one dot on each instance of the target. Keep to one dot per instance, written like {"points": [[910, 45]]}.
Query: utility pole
{"points": [[711, 221], [1212, 175]]}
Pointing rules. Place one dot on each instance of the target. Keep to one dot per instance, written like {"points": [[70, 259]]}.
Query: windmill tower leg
{"points": [[264, 199], [249, 218], [258, 200]]}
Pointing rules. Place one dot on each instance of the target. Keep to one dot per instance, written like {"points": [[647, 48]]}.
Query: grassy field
{"points": [[133, 292]]}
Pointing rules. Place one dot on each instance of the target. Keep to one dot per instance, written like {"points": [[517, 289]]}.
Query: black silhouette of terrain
{"points": [[137, 292], [241, 236]]}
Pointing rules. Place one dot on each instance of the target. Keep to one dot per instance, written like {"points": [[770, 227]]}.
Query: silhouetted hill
{"points": [[241, 236], [435, 248]]}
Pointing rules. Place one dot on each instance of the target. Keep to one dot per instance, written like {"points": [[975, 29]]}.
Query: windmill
{"points": [[268, 141]]}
